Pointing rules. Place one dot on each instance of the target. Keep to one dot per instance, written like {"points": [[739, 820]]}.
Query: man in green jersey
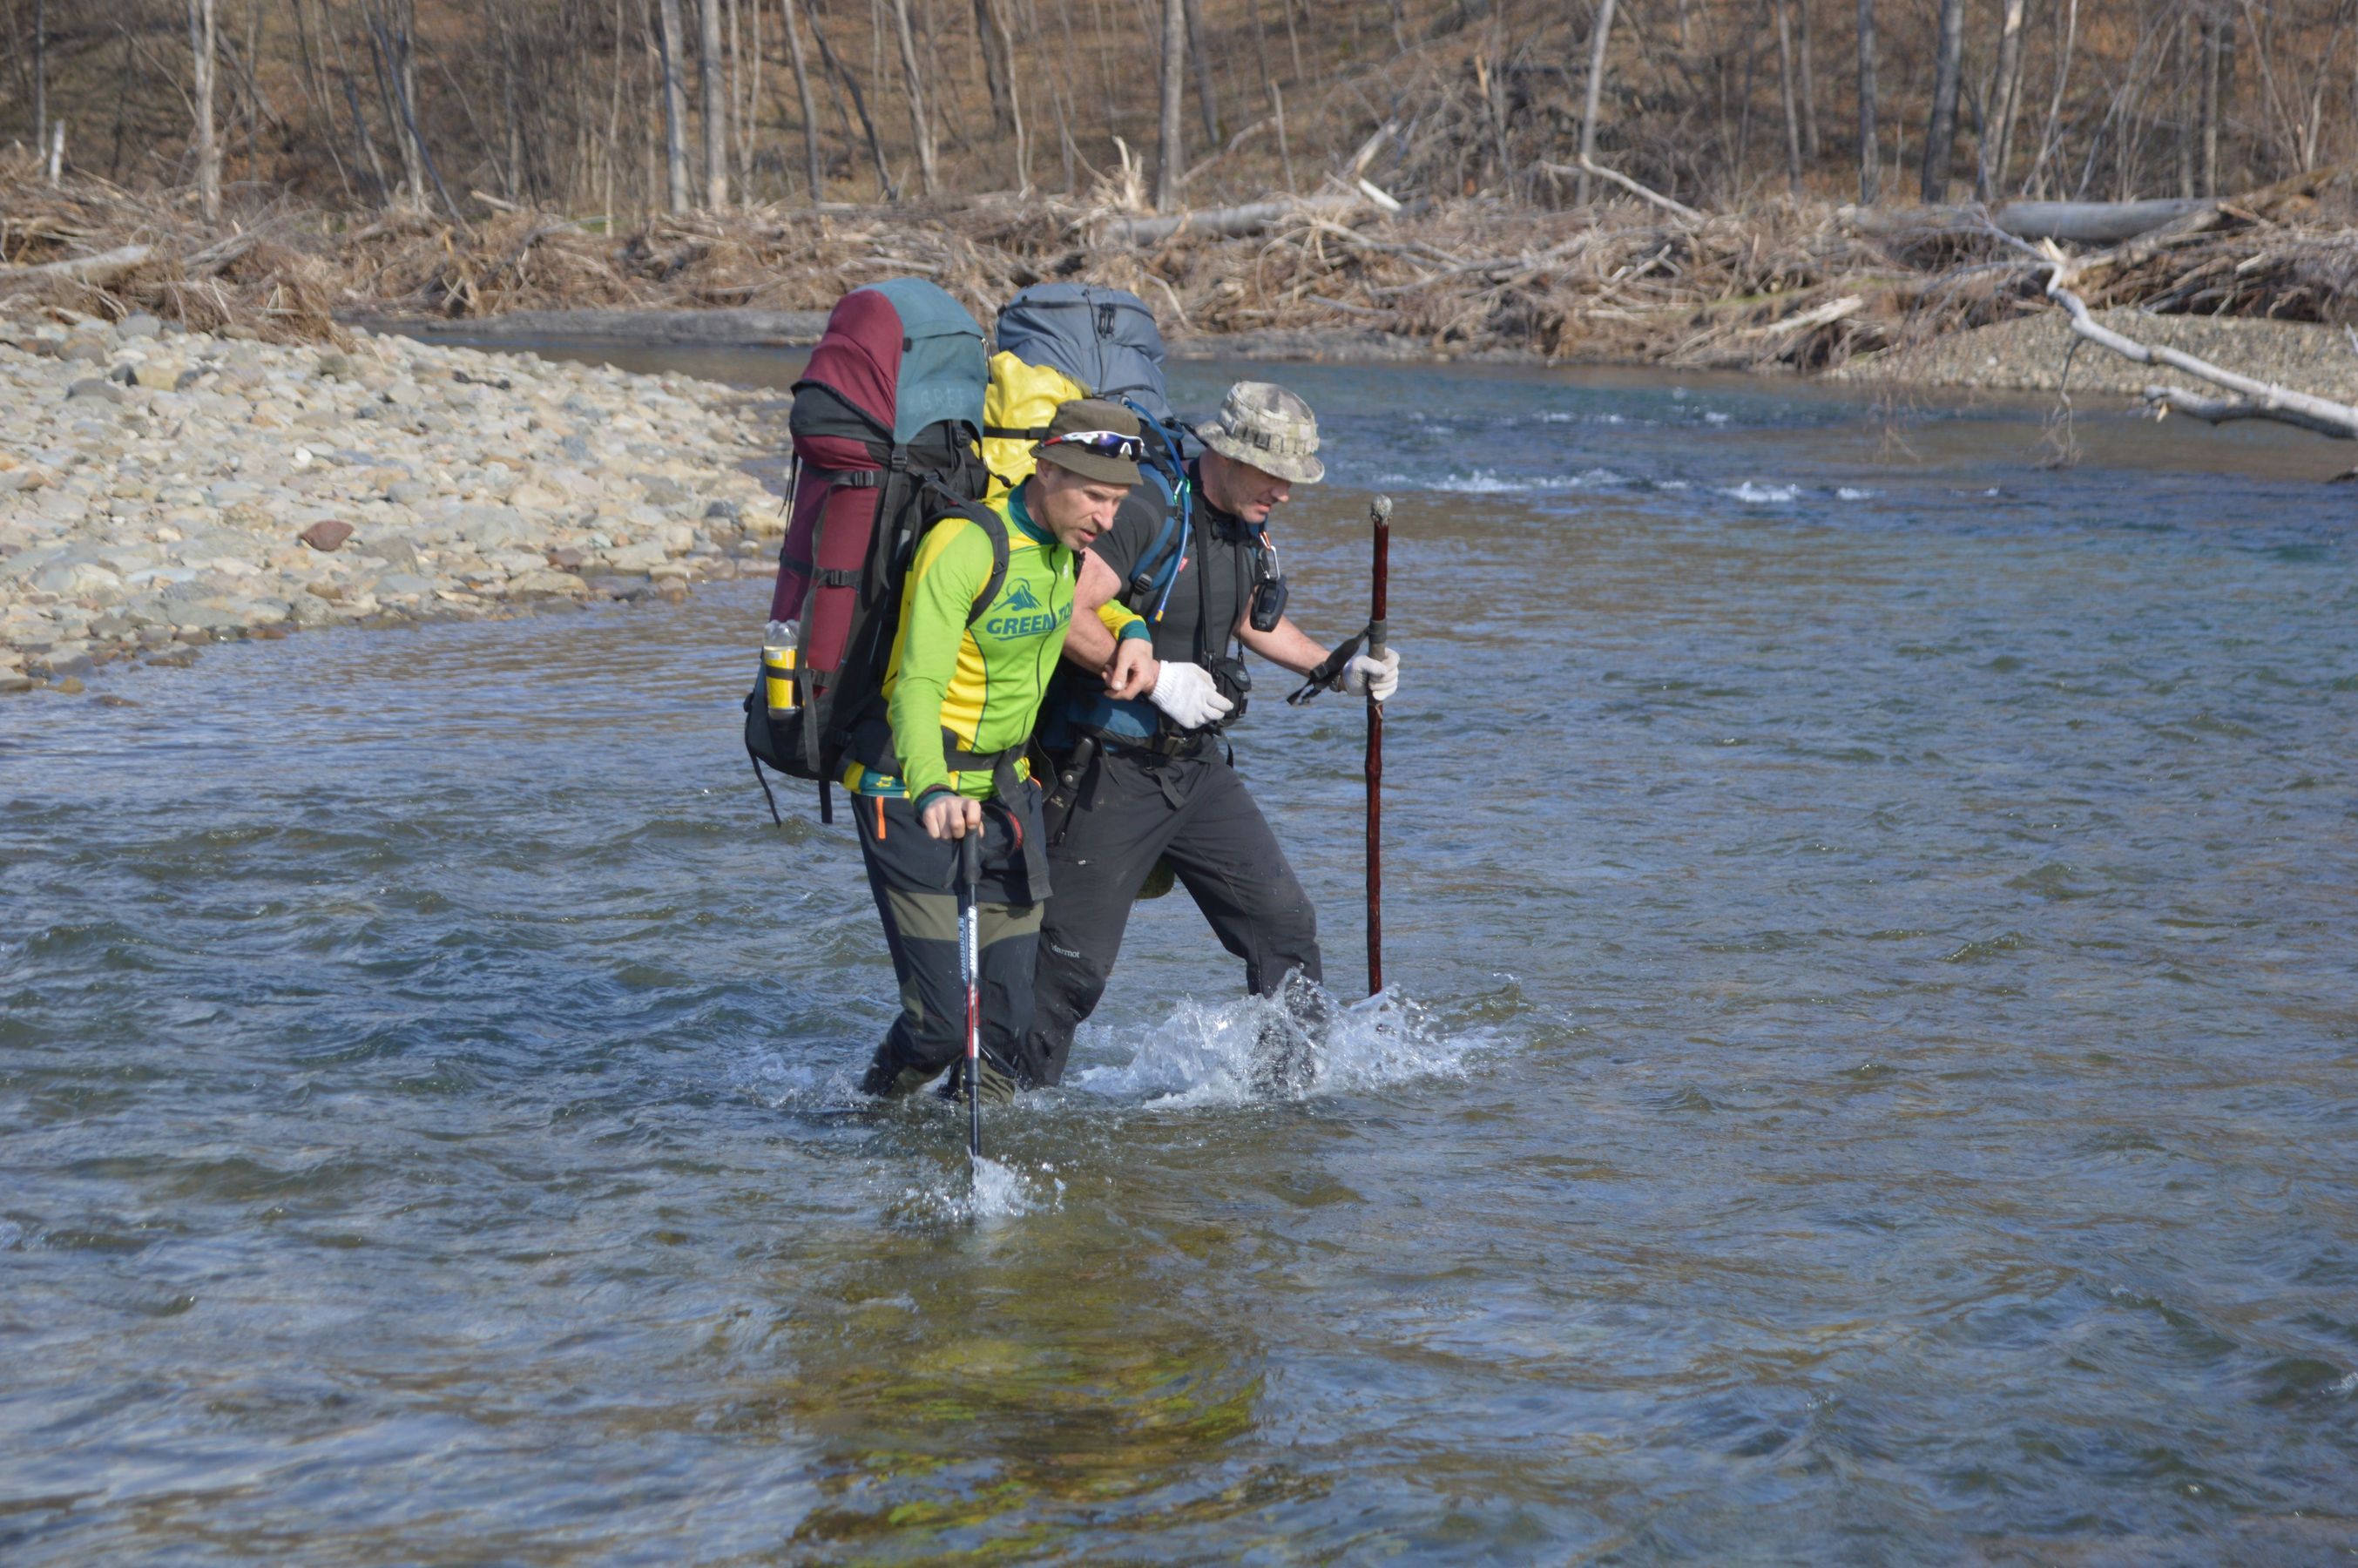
{"points": [[960, 694]]}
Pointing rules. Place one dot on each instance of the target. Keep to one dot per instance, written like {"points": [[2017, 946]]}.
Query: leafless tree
{"points": [[813, 169], [1940, 130], [675, 105], [2005, 92], [1172, 151], [40, 72], [1810, 137], [1785, 91], [708, 63], [204, 47], [1870, 151], [2067, 35], [1207, 100], [2211, 22], [1598, 34], [919, 126]]}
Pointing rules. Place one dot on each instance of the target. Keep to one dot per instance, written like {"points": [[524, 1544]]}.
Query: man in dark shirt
{"points": [[1143, 774]]}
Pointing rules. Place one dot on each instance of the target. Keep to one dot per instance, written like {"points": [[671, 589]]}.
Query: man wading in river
{"points": [[1143, 770], [963, 683]]}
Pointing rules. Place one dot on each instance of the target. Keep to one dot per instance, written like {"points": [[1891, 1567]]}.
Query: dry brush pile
{"points": [[1805, 285]]}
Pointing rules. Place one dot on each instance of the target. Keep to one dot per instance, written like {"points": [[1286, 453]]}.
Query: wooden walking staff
{"points": [[1328, 676], [1379, 514]]}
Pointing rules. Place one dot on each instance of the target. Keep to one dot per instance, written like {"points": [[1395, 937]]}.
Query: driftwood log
{"points": [[2254, 400], [99, 269], [2091, 222]]}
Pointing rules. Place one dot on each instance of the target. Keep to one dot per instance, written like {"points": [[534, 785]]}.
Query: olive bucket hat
{"points": [[1267, 427]]}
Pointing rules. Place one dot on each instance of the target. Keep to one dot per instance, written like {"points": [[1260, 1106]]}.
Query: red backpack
{"points": [[887, 427]]}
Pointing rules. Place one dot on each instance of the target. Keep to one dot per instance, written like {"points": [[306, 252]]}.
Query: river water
{"points": [[1867, 1075]]}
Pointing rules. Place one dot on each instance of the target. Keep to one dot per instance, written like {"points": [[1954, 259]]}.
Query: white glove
{"points": [[1185, 692], [1365, 676]]}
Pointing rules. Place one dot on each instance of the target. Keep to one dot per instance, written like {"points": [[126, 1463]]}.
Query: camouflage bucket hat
{"points": [[1267, 427]]}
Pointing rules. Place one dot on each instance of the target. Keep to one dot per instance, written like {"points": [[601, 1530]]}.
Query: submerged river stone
{"points": [[164, 487]]}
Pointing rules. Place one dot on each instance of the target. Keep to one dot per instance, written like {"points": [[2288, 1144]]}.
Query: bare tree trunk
{"points": [[41, 71], [203, 42], [1810, 137], [1208, 102], [1941, 132], [813, 169], [2210, 24], [675, 104], [2067, 25], [708, 66], [1870, 150], [511, 174], [1871, 154], [401, 60], [1598, 36], [918, 124], [997, 61], [2184, 60], [849, 86], [1175, 85], [392, 39], [2006, 85], [998, 9], [1785, 90]]}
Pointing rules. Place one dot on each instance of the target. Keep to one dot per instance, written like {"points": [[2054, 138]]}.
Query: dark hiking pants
{"points": [[915, 879], [1195, 812]]}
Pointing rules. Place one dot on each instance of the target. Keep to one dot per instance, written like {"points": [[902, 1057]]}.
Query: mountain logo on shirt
{"points": [[1019, 614]]}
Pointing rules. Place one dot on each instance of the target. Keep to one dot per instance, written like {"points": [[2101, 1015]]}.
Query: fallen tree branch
{"points": [[96, 269], [1223, 222], [2261, 400], [1817, 316], [1643, 194], [2091, 223], [2222, 410]]}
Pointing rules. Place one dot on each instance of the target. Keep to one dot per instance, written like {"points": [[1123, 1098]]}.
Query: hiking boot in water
{"points": [[1285, 1052], [998, 1087], [886, 1082]]}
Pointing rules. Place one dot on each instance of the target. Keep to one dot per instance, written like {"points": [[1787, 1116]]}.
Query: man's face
{"points": [[1242, 490], [1074, 509]]}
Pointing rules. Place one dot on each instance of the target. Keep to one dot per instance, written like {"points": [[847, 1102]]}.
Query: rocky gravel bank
{"points": [[161, 490], [2029, 355]]}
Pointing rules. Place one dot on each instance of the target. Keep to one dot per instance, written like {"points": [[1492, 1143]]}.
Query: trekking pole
{"points": [[1379, 514], [970, 970]]}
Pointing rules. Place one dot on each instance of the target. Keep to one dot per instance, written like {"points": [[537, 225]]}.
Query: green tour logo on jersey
{"points": [[1010, 618]]}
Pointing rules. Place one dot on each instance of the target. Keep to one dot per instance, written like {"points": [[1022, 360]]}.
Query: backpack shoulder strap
{"points": [[994, 528]]}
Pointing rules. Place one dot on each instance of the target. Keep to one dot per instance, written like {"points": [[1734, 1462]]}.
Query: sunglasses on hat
{"points": [[1105, 443]]}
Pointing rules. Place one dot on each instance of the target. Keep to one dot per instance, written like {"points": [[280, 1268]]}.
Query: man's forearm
{"points": [[1087, 643], [1285, 644]]}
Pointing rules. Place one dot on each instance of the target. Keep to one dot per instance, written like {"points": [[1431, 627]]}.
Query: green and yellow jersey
{"points": [[982, 681]]}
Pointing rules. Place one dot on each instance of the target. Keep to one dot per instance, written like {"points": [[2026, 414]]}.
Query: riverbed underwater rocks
{"points": [[162, 489]]}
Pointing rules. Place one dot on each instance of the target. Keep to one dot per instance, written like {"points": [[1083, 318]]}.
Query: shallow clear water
{"points": [[1868, 1074]]}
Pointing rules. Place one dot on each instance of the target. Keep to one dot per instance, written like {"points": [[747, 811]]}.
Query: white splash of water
{"points": [[1483, 482], [1753, 494], [988, 1190], [797, 1080], [1205, 1056], [1848, 494]]}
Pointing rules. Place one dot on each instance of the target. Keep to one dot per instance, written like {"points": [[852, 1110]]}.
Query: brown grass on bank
{"points": [[1802, 284]]}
